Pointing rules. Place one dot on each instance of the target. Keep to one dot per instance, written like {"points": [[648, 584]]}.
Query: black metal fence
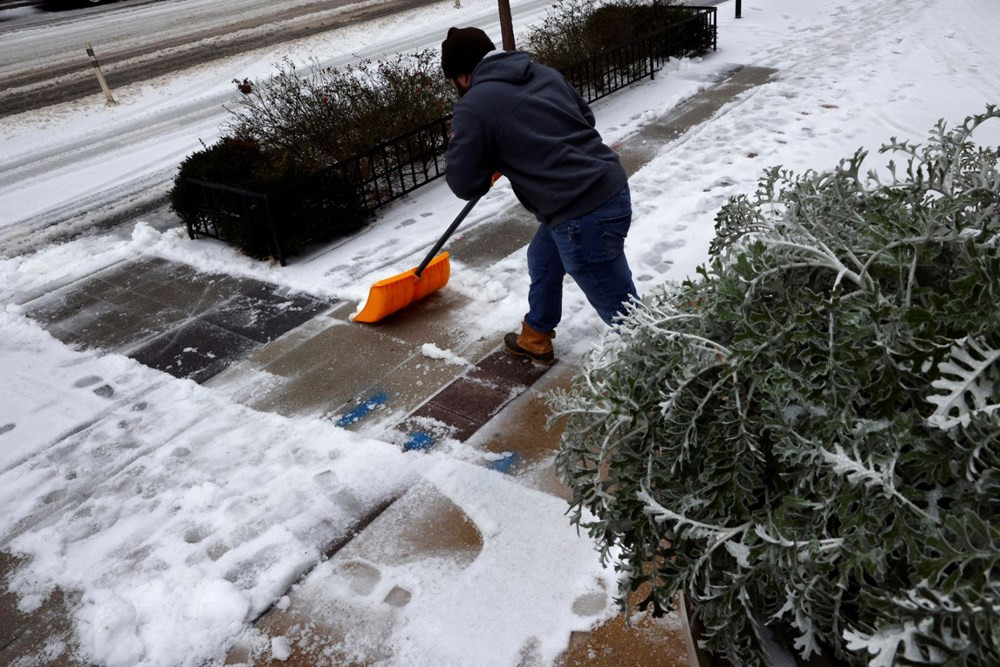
{"points": [[401, 164], [616, 68], [376, 177]]}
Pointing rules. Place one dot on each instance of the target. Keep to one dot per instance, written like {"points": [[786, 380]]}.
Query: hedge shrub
{"points": [[809, 434], [289, 131], [576, 30], [306, 205], [329, 114]]}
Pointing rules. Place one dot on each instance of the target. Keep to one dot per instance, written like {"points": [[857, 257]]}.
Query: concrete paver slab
{"points": [[404, 388], [425, 321], [335, 368], [53, 309], [645, 144], [488, 243], [150, 316], [172, 318], [264, 317], [520, 429], [102, 325], [196, 351]]}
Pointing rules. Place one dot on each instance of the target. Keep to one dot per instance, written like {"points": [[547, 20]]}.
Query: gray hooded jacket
{"points": [[525, 121]]}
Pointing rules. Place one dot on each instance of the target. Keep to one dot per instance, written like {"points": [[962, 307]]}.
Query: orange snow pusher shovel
{"points": [[393, 294]]}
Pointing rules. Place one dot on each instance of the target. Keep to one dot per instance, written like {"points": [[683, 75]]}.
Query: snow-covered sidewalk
{"points": [[177, 514]]}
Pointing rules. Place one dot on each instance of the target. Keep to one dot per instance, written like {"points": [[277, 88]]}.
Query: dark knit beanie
{"points": [[462, 50]]}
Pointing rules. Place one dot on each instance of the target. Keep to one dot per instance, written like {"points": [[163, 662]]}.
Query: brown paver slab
{"points": [[521, 430], [41, 637], [473, 400], [437, 422], [506, 372], [650, 642]]}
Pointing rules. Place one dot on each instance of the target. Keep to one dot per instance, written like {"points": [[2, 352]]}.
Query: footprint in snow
{"points": [[590, 604], [104, 391], [398, 597], [658, 255], [7, 428], [87, 381], [361, 577]]}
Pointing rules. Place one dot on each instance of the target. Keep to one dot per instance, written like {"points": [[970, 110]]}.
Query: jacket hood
{"points": [[508, 66]]}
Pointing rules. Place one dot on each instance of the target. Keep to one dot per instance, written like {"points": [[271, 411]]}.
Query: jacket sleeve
{"points": [[469, 164]]}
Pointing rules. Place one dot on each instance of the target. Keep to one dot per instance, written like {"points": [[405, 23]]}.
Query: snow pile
{"points": [[432, 351]]}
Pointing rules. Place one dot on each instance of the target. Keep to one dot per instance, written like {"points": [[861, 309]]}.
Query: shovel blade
{"points": [[393, 294]]}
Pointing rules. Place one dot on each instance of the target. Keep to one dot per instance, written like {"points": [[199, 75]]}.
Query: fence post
{"points": [[652, 59], [278, 250], [739, 9], [100, 75]]}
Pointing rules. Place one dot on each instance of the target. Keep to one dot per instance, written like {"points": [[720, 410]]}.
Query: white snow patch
{"points": [[432, 351], [280, 648]]}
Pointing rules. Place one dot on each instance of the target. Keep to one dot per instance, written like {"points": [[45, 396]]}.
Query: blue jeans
{"points": [[591, 249]]}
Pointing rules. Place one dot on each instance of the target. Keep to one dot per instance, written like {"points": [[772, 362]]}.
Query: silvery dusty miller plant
{"points": [[807, 436]]}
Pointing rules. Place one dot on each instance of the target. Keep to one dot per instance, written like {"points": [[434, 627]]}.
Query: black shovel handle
{"points": [[444, 237]]}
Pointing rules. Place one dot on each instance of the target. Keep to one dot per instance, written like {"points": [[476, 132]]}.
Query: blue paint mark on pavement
{"points": [[506, 464], [420, 441], [360, 412]]}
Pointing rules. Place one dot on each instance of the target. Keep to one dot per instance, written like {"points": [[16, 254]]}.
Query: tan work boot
{"points": [[536, 345]]}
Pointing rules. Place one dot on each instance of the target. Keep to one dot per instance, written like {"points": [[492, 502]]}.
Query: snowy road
{"points": [[142, 40], [112, 163]]}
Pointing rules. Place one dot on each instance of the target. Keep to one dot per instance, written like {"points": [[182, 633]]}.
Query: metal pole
{"points": [[506, 25], [739, 9], [100, 75]]}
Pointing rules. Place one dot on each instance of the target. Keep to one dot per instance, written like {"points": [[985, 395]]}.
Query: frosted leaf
{"points": [[884, 645], [740, 552], [965, 386]]}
